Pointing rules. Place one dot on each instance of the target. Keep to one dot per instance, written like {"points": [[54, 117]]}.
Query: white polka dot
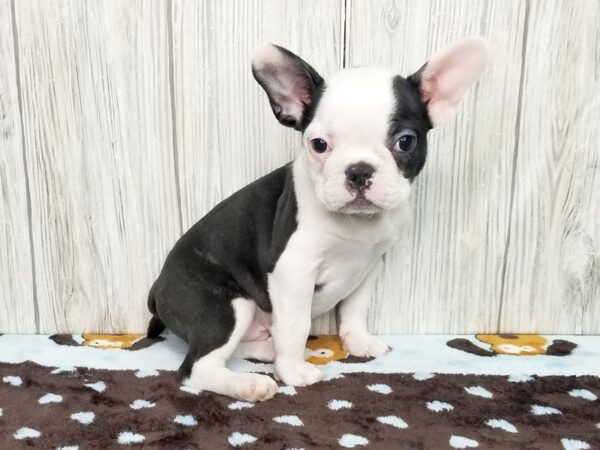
{"points": [[352, 440], [598, 425], [335, 405], [99, 386], [127, 437], [188, 421], [140, 404], [13, 380], [287, 390], [462, 442], [240, 405], [333, 376], [380, 388], [144, 373], [574, 444], [502, 424], [539, 410], [62, 370], [519, 378], [190, 390], [238, 439], [294, 421], [0, 412], [85, 418], [69, 447], [422, 376], [583, 393], [26, 433], [437, 406], [479, 391], [50, 398], [394, 421]]}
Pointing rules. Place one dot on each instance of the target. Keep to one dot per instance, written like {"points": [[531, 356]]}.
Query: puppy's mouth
{"points": [[360, 204], [360, 201]]}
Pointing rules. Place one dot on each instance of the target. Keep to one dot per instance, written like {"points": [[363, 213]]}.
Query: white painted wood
{"points": [[97, 127], [227, 135], [552, 281], [138, 117], [17, 302], [444, 275]]}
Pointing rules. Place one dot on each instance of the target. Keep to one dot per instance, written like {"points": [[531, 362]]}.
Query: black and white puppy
{"points": [[247, 279]]}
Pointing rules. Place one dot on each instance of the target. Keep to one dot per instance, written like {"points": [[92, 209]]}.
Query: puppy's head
{"points": [[365, 129]]}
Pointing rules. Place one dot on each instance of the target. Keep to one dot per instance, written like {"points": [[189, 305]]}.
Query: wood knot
{"points": [[392, 18]]}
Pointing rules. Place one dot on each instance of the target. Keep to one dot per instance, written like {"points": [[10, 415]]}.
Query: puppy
{"points": [[248, 277]]}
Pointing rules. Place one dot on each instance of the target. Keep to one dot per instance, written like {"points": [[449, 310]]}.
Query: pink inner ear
{"points": [[301, 92], [293, 94], [427, 86], [449, 74]]}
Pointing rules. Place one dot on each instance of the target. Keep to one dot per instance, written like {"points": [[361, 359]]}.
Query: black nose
{"points": [[358, 175]]}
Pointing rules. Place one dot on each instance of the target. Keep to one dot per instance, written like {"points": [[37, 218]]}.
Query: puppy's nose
{"points": [[358, 175]]}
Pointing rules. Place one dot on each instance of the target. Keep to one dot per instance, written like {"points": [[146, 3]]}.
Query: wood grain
{"points": [[98, 140], [123, 123], [17, 300], [444, 276], [226, 133], [552, 279]]}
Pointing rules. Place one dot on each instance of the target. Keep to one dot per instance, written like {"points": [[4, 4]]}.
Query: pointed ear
{"points": [[444, 79], [290, 83]]}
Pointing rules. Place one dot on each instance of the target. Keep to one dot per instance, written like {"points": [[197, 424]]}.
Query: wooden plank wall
{"points": [[98, 142], [18, 302], [121, 124]]}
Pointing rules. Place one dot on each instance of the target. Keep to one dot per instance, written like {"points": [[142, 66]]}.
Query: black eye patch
{"points": [[409, 118]]}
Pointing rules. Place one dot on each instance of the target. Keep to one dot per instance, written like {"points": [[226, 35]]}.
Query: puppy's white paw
{"points": [[253, 387], [297, 373], [364, 345]]}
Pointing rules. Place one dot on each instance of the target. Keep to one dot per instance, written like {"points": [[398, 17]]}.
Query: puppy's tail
{"points": [[156, 326]]}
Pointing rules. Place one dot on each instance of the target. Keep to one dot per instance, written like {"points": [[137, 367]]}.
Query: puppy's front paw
{"points": [[297, 373], [364, 345]]}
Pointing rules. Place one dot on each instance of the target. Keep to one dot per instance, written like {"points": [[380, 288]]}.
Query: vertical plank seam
{"points": [[514, 163], [345, 34], [173, 112], [15, 34]]}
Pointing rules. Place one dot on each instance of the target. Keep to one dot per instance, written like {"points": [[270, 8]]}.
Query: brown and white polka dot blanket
{"points": [[56, 403]]}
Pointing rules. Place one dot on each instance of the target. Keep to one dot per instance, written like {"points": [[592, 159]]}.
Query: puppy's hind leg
{"points": [[206, 370]]}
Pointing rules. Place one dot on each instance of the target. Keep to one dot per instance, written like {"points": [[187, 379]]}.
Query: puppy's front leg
{"points": [[291, 288], [353, 320]]}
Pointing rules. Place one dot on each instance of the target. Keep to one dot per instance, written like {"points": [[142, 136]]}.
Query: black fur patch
{"points": [[226, 255], [410, 113]]}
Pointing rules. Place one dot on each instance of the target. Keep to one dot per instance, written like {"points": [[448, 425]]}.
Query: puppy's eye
{"points": [[406, 142], [319, 145]]}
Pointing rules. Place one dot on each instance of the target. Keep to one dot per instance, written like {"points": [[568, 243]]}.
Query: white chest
{"points": [[342, 270]]}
